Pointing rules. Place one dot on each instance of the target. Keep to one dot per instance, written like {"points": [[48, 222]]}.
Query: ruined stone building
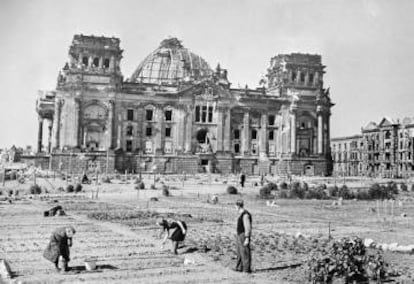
{"points": [[176, 114], [385, 149]]}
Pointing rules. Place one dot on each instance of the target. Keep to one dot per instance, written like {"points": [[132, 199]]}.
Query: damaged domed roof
{"points": [[170, 63]]}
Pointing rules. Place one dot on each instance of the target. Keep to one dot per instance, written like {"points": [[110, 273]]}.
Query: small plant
{"points": [[137, 181], [140, 185], [153, 186], [60, 189], [283, 185], [78, 188], [35, 189], [231, 190], [265, 192], [70, 188], [272, 186], [21, 180], [165, 191]]}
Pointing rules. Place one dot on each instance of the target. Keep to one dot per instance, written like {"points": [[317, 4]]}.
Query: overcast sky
{"points": [[366, 45]]}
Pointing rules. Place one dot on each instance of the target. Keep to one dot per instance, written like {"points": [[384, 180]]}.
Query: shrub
{"points": [[345, 258], [165, 191], [283, 185], [382, 192], [316, 193], [403, 187], [305, 186], [153, 186], [231, 190], [296, 191], [10, 192], [362, 195], [333, 191], [140, 185], [21, 180], [35, 189], [70, 188], [345, 193], [265, 192], [272, 186], [78, 188]]}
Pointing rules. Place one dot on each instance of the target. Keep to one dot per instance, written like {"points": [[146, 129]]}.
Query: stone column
{"points": [[263, 136], [220, 127], [293, 132], [56, 124], [158, 128], [40, 134], [320, 130], [227, 130], [76, 123], [49, 135], [188, 129], [110, 125], [246, 134]]}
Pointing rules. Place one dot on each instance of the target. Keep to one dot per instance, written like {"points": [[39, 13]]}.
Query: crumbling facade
{"points": [[175, 114], [384, 149]]}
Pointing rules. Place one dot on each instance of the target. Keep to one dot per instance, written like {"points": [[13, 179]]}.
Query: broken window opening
{"points": [[106, 63], [236, 148], [236, 134], [96, 62], [254, 134], [210, 114], [271, 135], [168, 132], [168, 115], [204, 114], [148, 131], [130, 114], [129, 130], [148, 114], [85, 60], [271, 120], [129, 146], [197, 114]]}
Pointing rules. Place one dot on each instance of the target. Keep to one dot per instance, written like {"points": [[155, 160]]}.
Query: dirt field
{"points": [[118, 230]]}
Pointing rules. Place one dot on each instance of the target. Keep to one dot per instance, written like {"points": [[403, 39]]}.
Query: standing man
{"points": [[242, 179], [244, 231], [58, 246]]}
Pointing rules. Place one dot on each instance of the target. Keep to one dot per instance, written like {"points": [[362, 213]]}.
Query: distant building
{"points": [[177, 114], [385, 150]]}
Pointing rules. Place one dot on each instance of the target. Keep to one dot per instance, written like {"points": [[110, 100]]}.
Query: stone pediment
{"points": [[209, 91], [386, 121], [370, 126]]}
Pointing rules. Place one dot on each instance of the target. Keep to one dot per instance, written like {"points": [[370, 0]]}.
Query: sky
{"points": [[367, 46]]}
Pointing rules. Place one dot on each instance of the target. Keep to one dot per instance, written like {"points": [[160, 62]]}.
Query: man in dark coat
{"points": [[244, 231], [242, 179], [174, 230], [60, 241]]}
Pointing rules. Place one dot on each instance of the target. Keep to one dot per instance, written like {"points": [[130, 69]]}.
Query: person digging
{"points": [[58, 247], [244, 231], [174, 230]]}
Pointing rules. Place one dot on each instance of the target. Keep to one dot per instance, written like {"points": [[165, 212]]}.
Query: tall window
{"points": [[128, 145], [254, 134], [130, 114], [96, 62], [168, 115], [85, 60], [129, 130], [204, 114], [236, 148], [168, 132], [271, 120], [236, 134], [148, 114], [271, 135], [148, 132], [106, 63], [302, 77], [311, 78], [293, 76]]}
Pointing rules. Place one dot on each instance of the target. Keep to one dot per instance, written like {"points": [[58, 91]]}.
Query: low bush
{"points": [[70, 188], [346, 259], [153, 186], [35, 189], [345, 193], [165, 191], [265, 192], [231, 190], [403, 187], [333, 191], [283, 194], [272, 186], [296, 191], [283, 185], [377, 191], [78, 187], [140, 185]]}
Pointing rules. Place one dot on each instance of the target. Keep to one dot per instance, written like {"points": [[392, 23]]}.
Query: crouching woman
{"points": [[60, 241], [174, 230]]}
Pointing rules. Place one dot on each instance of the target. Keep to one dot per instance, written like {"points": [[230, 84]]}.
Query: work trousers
{"points": [[244, 256]]}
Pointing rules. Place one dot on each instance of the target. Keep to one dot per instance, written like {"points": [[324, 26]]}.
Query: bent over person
{"points": [[60, 241], [244, 231], [174, 230]]}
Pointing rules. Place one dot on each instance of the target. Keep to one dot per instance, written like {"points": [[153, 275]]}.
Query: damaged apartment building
{"points": [[175, 114]]}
